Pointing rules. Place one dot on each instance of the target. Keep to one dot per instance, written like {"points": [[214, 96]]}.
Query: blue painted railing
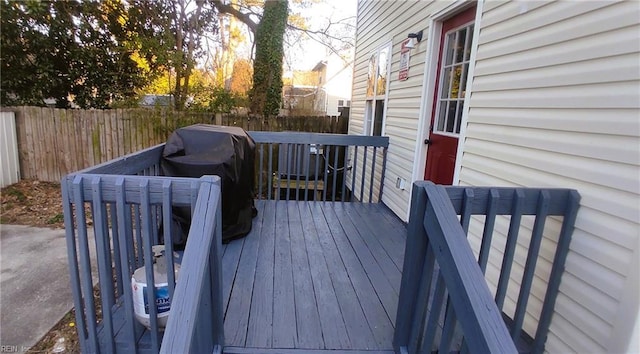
{"points": [[196, 321], [344, 167], [314, 166], [130, 214], [129, 208], [445, 304]]}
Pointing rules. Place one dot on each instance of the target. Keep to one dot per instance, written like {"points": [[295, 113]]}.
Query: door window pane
{"points": [[460, 45], [448, 58], [453, 80], [459, 116], [446, 81], [467, 47]]}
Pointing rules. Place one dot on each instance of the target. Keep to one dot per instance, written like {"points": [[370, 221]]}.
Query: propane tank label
{"points": [[163, 303]]}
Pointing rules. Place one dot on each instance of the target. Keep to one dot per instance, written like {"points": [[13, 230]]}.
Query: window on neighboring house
{"points": [[377, 86], [348, 103], [340, 103]]}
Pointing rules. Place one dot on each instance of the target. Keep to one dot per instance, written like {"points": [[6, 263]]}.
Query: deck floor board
{"points": [[236, 318], [259, 333], [284, 314], [355, 321], [307, 317], [315, 276], [334, 332], [358, 237]]}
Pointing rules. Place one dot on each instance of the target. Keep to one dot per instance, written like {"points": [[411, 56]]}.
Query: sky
{"points": [[311, 52]]}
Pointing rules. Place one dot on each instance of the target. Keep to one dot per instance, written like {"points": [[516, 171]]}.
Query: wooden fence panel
{"points": [[54, 142]]}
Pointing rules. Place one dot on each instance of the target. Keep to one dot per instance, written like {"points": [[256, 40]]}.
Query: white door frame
{"points": [[429, 87]]}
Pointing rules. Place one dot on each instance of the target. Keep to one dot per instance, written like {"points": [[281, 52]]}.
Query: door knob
{"points": [[427, 142]]}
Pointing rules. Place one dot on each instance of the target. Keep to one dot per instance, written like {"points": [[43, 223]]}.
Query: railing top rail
{"points": [[181, 187], [480, 318], [319, 138], [559, 199], [128, 164]]}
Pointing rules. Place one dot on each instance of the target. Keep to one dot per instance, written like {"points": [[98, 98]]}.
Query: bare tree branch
{"points": [[242, 16]]}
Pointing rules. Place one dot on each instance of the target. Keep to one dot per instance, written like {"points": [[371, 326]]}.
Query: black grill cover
{"points": [[227, 152]]}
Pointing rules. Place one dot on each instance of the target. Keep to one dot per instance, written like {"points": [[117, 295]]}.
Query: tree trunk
{"points": [[266, 95]]}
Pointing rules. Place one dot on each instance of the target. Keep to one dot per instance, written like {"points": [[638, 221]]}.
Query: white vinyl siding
{"points": [[554, 103], [378, 23]]}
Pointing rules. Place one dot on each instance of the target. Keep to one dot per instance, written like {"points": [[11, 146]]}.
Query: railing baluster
{"points": [[383, 174], [345, 168], [289, 167], [559, 259], [433, 318], [145, 206], [167, 226], [422, 300], [326, 172], [138, 233], [317, 172], [373, 173], [194, 196], [335, 173], [489, 223], [510, 246], [307, 170], [364, 173], [465, 215], [154, 225], [270, 174], [353, 173], [529, 268], [130, 239], [115, 231], [260, 172], [85, 264], [123, 223], [448, 329], [104, 263], [300, 157], [72, 256]]}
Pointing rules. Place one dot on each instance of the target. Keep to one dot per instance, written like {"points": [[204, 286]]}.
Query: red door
{"points": [[448, 101]]}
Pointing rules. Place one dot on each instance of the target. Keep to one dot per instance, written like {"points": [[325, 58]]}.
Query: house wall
{"points": [[554, 102], [378, 23]]}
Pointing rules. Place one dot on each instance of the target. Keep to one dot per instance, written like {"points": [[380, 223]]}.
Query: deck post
{"points": [[415, 251], [216, 266]]}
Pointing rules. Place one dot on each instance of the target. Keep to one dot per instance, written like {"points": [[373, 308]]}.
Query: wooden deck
{"points": [[314, 276]]}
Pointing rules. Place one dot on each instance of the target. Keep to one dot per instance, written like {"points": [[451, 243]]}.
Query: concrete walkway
{"points": [[34, 283]]}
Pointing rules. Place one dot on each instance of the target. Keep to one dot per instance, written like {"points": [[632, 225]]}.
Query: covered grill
{"points": [[227, 152]]}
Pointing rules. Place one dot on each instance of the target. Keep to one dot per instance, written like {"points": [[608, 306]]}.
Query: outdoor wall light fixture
{"points": [[415, 38]]}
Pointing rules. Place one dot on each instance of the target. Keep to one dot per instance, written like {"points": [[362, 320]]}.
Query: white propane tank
{"points": [[139, 287]]}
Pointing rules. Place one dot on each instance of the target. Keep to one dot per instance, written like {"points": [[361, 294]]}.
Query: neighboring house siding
{"points": [[554, 103]]}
